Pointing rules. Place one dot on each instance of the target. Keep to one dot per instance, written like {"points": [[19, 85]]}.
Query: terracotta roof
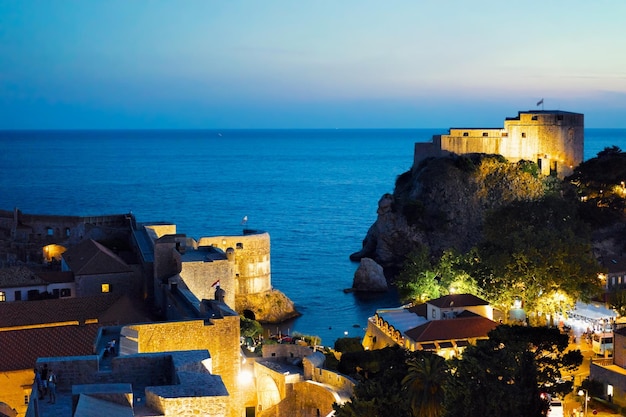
{"points": [[19, 276], [19, 349], [91, 258], [420, 309], [24, 313], [457, 328], [56, 277], [458, 300]]}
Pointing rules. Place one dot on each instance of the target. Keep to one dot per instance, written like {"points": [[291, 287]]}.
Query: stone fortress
{"points": [[189, 361], [553, 139]]}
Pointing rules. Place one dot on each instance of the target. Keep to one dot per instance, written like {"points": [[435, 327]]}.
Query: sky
{"points": [[209, 64]]}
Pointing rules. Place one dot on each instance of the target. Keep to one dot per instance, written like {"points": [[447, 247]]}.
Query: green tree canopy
{"points": [[506, 374], [539, 252]]}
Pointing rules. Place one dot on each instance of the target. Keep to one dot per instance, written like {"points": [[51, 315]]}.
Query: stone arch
{"points": [[249, 314], [268, 394]]}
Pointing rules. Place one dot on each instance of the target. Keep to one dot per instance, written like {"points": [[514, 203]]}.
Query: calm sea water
{"points": [[315, 192]]}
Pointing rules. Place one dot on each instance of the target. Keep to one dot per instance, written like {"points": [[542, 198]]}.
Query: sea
{"points": [[314, 191]]}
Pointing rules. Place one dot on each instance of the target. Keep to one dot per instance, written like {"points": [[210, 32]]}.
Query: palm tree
{"points": [[424, 383]]}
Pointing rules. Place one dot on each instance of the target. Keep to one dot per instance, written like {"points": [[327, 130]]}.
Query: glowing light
{"points": [[244, 377]]}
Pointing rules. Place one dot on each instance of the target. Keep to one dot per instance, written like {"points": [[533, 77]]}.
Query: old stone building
{"points": [[553, 139]]}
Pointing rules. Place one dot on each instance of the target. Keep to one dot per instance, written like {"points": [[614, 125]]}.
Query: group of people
{"points": [[46, 381]]}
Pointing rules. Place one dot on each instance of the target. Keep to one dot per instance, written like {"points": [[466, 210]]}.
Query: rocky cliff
{"points": [[268, 307], [442, 202]]}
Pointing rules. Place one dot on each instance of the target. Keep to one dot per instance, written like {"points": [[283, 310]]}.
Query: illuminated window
{"points": [[105, 288], [505, 134], [3, 296]]}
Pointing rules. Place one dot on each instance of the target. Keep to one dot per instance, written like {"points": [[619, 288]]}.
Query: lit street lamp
{"points": [[586, 394]]}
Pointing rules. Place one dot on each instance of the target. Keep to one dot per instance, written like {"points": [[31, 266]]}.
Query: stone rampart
{"points": [[252, 260], [219, 336]]}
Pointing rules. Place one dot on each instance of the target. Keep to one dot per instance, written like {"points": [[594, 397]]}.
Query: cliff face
{"points": [[442, 203], [268, 307]]}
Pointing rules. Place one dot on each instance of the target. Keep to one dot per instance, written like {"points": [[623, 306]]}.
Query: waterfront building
{"points": [[445, 325]]}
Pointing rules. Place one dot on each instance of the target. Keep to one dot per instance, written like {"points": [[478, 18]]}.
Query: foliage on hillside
{"points": [[505, 233]]}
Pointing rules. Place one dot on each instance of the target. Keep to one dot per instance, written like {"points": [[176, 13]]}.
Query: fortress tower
{"points": [[553, 139]]}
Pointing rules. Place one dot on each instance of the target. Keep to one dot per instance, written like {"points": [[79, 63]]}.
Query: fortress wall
{"points": [[161, 230], [423, 150], [219, 336], [252, 260], [313, 399], [199, 276], [334, 379], [555, 139]]}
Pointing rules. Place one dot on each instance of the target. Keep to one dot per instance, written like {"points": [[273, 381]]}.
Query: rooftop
{"points": [[19, 276], [91, 258], [452, 329]]}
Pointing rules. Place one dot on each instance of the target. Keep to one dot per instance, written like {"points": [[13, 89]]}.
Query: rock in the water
{"points": [[369, 276]]}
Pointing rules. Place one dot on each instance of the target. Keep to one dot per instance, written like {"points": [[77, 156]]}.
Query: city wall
{"points": [[252, 259]]}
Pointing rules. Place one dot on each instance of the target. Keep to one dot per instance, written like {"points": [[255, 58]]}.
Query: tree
{"points": [[378, 391], [249, 328], [424, 383], [420, 281], [506, 374], [537, 251]]}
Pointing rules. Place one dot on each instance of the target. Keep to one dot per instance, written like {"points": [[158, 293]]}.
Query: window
{"points": [[523, 134], [50, 231], [434, 312], [239, 245], [67, 232], [485, 134], [559, 117], [465, 134], [105, 288], [505, 134], [66, 292], [534, 118], [3, 296], [18, 295], [25, 399]]}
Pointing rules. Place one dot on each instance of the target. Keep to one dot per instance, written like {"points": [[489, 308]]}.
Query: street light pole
{"points": [[584, 392]]}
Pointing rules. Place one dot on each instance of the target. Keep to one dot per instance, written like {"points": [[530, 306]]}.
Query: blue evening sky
{"points": [[308, 64]]}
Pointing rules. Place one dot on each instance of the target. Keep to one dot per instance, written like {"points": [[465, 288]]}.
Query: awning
{"points": [[595, 311]]}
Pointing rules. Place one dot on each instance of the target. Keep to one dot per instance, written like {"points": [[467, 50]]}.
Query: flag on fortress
{"points": [[216, 284], [540, 102]]}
